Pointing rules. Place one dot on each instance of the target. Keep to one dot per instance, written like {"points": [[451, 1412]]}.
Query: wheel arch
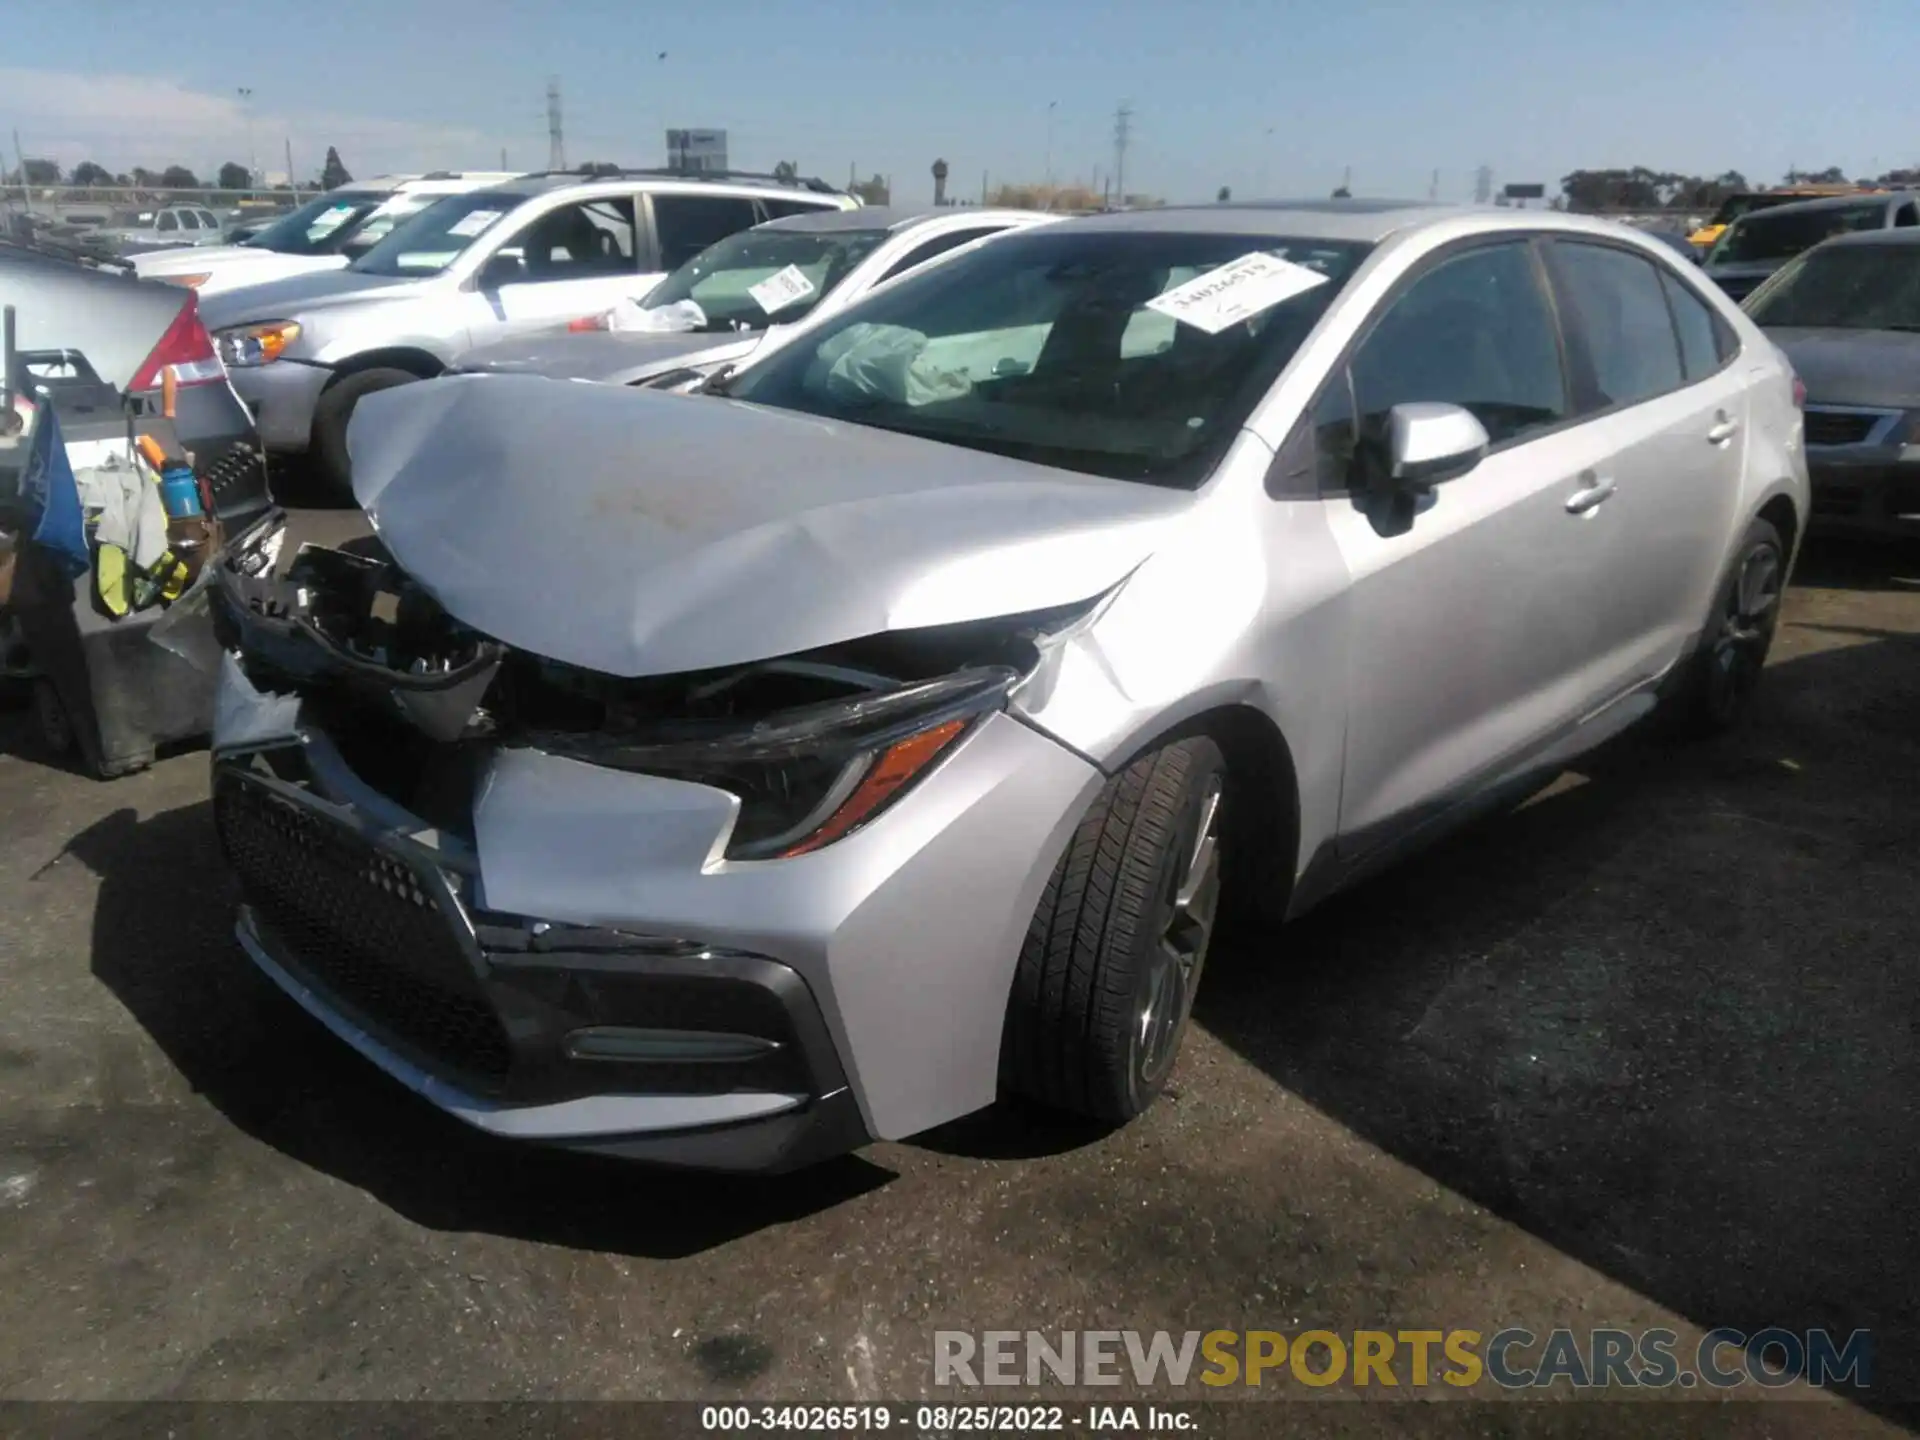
{"points": [[1779, 511], [1260, 764], [411, 358]]}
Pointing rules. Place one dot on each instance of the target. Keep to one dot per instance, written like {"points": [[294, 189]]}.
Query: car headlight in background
{"points": [[248, 345]]}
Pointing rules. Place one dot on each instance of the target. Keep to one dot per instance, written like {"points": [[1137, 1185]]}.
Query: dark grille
{"points": [[237, 480], [1837, 499], [362, 926], [1837, 427]]}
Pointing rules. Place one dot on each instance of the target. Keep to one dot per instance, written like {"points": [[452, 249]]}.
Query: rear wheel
{"points": [[335, 409], [1717, 686], [1115, 949]]}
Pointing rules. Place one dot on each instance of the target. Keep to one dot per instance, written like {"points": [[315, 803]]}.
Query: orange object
{"points": [[151, 448], [902, 761], [169, 391]]}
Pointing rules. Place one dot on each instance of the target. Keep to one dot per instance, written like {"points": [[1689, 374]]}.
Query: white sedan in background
{"points": [[745, 293]]}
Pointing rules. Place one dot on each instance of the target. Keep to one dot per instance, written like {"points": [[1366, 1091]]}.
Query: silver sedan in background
{"points": [[746, 293], [731, 779]]}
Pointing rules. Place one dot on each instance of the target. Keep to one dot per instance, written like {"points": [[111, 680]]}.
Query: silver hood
{"points": [[613, 356], [298, 295], [635, 533]]}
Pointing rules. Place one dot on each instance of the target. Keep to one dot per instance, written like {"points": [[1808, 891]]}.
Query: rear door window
{"points": [[684, 225], [189, 220], [1620, 321], [1696, 326], [167, 222]]}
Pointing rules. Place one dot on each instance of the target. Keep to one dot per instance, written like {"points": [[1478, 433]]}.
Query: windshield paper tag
{"points": [[781, 289], [473, 222], [1235, 292]]}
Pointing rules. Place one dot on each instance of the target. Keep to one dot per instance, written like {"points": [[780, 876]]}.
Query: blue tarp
{"points": [[49, 488]]}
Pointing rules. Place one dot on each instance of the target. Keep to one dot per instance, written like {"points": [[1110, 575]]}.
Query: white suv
{"points": [[326, 233], [492, 264]]}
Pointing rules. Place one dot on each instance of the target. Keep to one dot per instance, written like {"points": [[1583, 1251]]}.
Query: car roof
{"points": [[1828, 202], [1362, 221], [545, 182], [1905, 235], [898, 218]]}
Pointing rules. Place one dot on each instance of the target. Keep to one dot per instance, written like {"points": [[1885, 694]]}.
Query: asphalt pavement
{"points": [[1644, 1051]]}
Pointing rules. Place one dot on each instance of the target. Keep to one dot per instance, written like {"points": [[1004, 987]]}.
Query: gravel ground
{"points": [[1644, 1051]]}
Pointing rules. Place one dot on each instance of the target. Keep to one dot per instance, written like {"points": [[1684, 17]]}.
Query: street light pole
{"points": [[1051, 106], [253, 159]]}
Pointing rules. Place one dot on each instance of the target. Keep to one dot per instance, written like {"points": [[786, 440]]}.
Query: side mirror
{"points": [[1429, 442], [500, 270]]}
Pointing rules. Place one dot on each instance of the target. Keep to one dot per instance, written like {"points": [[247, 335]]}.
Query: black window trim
{"points": [[678, 192], [945, 240], [1293, 475], [1575, 339]]}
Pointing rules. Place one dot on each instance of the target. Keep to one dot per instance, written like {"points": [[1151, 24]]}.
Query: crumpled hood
{"points": [[297, 295], [639, 533], [616, 357], [1874, 368]]}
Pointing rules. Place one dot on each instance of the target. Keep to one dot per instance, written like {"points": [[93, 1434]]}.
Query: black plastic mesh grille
{"points": [[362, 926]]}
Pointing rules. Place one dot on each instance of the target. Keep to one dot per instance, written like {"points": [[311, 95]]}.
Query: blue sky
{"points": [[1270, 98]]}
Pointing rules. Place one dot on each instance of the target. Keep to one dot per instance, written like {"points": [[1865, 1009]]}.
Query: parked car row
{"points": [[730, 771]]}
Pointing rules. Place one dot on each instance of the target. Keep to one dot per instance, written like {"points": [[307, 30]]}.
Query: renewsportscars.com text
{"points": [[1511, 1358]]}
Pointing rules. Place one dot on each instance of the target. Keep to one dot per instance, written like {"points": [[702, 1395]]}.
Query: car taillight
{"points": [[186, 349]]}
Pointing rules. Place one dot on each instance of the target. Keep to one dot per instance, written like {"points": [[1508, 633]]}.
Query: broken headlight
{"points": [[808, 775]]}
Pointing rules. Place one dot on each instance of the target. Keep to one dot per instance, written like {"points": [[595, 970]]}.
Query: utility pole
{"points": [[1433, 187], [1483, 185], [1052, 105], [20, 159], [556, 140], [253, 158], [503, 157], [292, 179], [1122, 137]]}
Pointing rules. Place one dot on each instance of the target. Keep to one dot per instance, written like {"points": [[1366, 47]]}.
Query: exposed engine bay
{"points": [[407, 691]]}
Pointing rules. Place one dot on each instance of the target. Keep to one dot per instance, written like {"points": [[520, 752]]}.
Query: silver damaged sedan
{"points": [[729, 779]]}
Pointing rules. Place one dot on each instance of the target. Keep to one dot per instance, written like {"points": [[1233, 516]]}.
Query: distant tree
{"points": [[88, 173], [1897, 178], [39, 172], [592, 167], [144, 177], [123, 180], [1832, 175], [333, 173], [179, 177], [1224, 194], [871, 192], [1343, 193], [786, 170], [234, 176]]}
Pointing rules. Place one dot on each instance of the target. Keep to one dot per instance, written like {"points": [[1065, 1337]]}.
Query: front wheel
{"points": [[1114, 950], [335, 409], [1716, 687]]}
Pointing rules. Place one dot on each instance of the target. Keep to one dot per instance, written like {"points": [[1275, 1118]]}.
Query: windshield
{"points": [[1845, 287], [434, 238], [318, 226], [727, 280], [1058, 348], [1782, 234]]}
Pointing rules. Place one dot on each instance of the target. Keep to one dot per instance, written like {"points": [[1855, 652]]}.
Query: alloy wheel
{"points": [[1745, 631], [1172, 972]]}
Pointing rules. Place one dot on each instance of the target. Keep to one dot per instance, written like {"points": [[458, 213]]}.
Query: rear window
{"points": [[1845, 287], [1782, 234]]}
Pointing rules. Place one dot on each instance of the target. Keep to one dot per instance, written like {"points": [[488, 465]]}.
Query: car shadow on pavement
{"points": [[1667, 1017], [163, 943]]}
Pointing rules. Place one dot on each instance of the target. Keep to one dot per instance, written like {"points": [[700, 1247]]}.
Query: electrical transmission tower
{"points": [[1122, 137], [556, 142], [1483, 185]]}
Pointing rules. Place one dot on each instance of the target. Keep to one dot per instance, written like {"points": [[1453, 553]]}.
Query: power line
{"points": [[1122, 137], [556, 141]]}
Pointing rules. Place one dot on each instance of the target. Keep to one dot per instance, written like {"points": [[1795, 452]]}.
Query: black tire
{"points": [[1080, 1035], [1715, 686], [335, 409]]}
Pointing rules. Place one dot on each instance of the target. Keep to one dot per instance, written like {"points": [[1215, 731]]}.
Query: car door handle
{"points": [[1581, 501], [1723, 432]]}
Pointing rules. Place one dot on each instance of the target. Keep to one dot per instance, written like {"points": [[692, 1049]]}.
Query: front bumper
{"points": [[282, 395], [854, 993], [1865, 490]]}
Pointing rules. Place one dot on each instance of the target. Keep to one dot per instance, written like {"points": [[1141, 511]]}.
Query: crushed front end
{"points": [[743, 918]]}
